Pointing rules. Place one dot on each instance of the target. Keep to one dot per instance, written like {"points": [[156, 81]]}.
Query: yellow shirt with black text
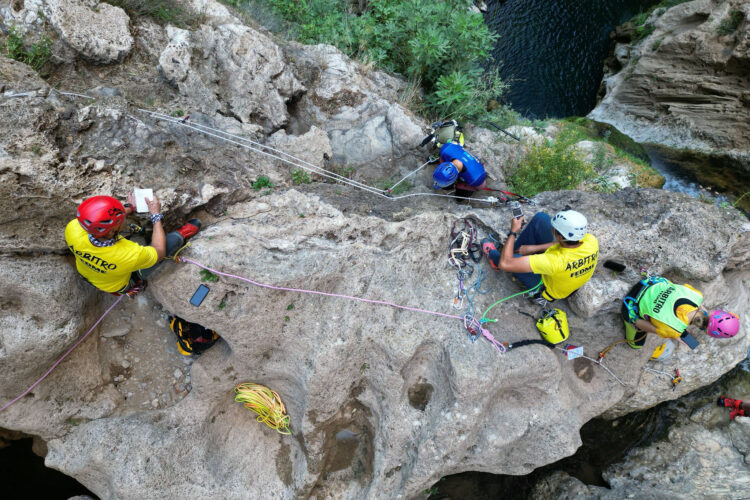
{"points": [[107, 268], [565, 270]]}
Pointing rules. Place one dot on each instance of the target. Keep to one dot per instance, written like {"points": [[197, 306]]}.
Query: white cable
{"points": [[409, 175], [180, 121]]}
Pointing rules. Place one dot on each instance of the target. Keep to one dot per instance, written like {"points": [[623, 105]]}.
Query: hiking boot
{"points": [[190, 229], [490, 251], [737, 413]]}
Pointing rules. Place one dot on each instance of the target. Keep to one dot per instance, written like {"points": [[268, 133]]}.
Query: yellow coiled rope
{"points": [[266, 403]]}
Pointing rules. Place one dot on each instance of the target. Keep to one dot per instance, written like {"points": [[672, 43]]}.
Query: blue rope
{"points": [[471, 292]]}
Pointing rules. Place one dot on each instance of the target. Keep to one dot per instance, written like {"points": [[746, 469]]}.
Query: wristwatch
{"points": [[514, 234]]}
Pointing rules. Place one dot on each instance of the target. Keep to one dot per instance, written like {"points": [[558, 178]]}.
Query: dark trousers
{"points": [[537, 232], [174, 242]]}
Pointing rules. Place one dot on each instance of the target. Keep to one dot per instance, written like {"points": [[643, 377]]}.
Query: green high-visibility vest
{"points": [[660, 300]]}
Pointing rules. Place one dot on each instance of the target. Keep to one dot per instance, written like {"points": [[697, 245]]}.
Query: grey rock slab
{"points": [[99, 32]]}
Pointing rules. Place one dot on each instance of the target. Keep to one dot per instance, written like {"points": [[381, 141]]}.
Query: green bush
{"points": [[730, 23], [37, 55], [440, 43], [262, 182], [549, 167], [299, 176], [161, 11]]}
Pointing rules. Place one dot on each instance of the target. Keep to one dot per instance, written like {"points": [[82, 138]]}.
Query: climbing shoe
{"points": [[729, 402], [190, 229], [737, 413], [490, 251]]}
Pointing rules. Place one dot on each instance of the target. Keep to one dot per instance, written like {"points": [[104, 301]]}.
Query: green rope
{"points": [[484, 316]]}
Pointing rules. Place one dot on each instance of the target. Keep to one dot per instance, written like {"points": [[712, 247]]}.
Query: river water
{"points": [[552, 51]]}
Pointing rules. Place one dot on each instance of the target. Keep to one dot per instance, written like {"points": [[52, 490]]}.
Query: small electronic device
{"points": [[614, 266], [689, 340], [515, 208], [140, 199], [199, 295]]}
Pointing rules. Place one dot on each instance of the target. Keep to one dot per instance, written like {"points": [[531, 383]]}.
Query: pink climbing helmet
{"points": [[723, 324]]}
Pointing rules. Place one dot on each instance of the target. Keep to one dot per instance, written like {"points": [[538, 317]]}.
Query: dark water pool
{"points": [[552, 51]]}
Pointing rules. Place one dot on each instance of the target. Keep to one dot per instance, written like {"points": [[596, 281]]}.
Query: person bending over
{"points": [[458, 168], [557, 254], [656, 305], [109, 261]]}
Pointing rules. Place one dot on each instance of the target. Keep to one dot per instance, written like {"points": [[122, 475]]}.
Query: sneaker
{"points": [[487, 247], [190, 229]]}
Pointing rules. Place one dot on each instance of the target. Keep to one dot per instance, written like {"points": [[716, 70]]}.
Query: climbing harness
{"points": [[61, 358], [266, 403], [192, 338]]}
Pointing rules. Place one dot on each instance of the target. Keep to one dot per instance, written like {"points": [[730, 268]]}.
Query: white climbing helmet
{"points": [[571, 224]]}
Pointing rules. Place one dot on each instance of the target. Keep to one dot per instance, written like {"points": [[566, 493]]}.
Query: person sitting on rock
{"points": [[109, 261], [458, 168], [555, 256], [738, 408], [656, 305]]}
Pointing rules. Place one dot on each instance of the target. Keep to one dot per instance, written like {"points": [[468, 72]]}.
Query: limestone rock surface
{"points": [[98, 31], [686, 84], [695, 461]]}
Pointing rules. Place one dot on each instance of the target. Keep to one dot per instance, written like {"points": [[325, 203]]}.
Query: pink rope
{"points": [[315, 292], [64, 355], [474, 325]]}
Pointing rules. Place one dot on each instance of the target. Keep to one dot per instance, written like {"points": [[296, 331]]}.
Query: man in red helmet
{"points": [[107, 260]]}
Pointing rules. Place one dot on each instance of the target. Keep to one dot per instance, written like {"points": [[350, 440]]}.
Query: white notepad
{"points": [[140, 199]]}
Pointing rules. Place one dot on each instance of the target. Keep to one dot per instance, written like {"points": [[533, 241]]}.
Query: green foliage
{"points": [[644, 31], [385, 184], [207, 275], [441, 44], [161, 11], [290, 306], [222, 304], [262, 182], [730, 23], [549, 167], [37, 55], [299, 176], [177, 113], [657, 44]]}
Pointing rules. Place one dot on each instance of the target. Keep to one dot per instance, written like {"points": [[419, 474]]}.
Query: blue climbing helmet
{"points": [[445, 174]]}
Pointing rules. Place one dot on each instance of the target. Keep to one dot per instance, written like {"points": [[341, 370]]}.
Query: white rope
{"points": [[597, 363], [297, 162], [316, 170], [300, 163], [181, 121], [409, 175]]}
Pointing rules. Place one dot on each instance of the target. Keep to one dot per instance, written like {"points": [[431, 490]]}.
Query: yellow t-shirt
{"points": [[664, 330], [565, 270], [107, 268]]}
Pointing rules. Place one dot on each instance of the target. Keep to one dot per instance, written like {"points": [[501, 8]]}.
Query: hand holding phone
{"points": [[516, 210]]}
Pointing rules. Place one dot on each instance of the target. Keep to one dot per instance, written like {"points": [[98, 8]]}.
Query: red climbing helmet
{"points": [[98, 215], [723, 324]]}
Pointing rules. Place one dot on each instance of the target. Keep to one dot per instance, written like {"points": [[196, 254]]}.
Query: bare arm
{"points": [[507, 261], [158, 238], [645, 325], [534, 249]]}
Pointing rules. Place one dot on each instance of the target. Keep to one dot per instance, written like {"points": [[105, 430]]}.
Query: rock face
{"points": [[383, 401], [686, 84], [704, 458], [98, 31]]}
